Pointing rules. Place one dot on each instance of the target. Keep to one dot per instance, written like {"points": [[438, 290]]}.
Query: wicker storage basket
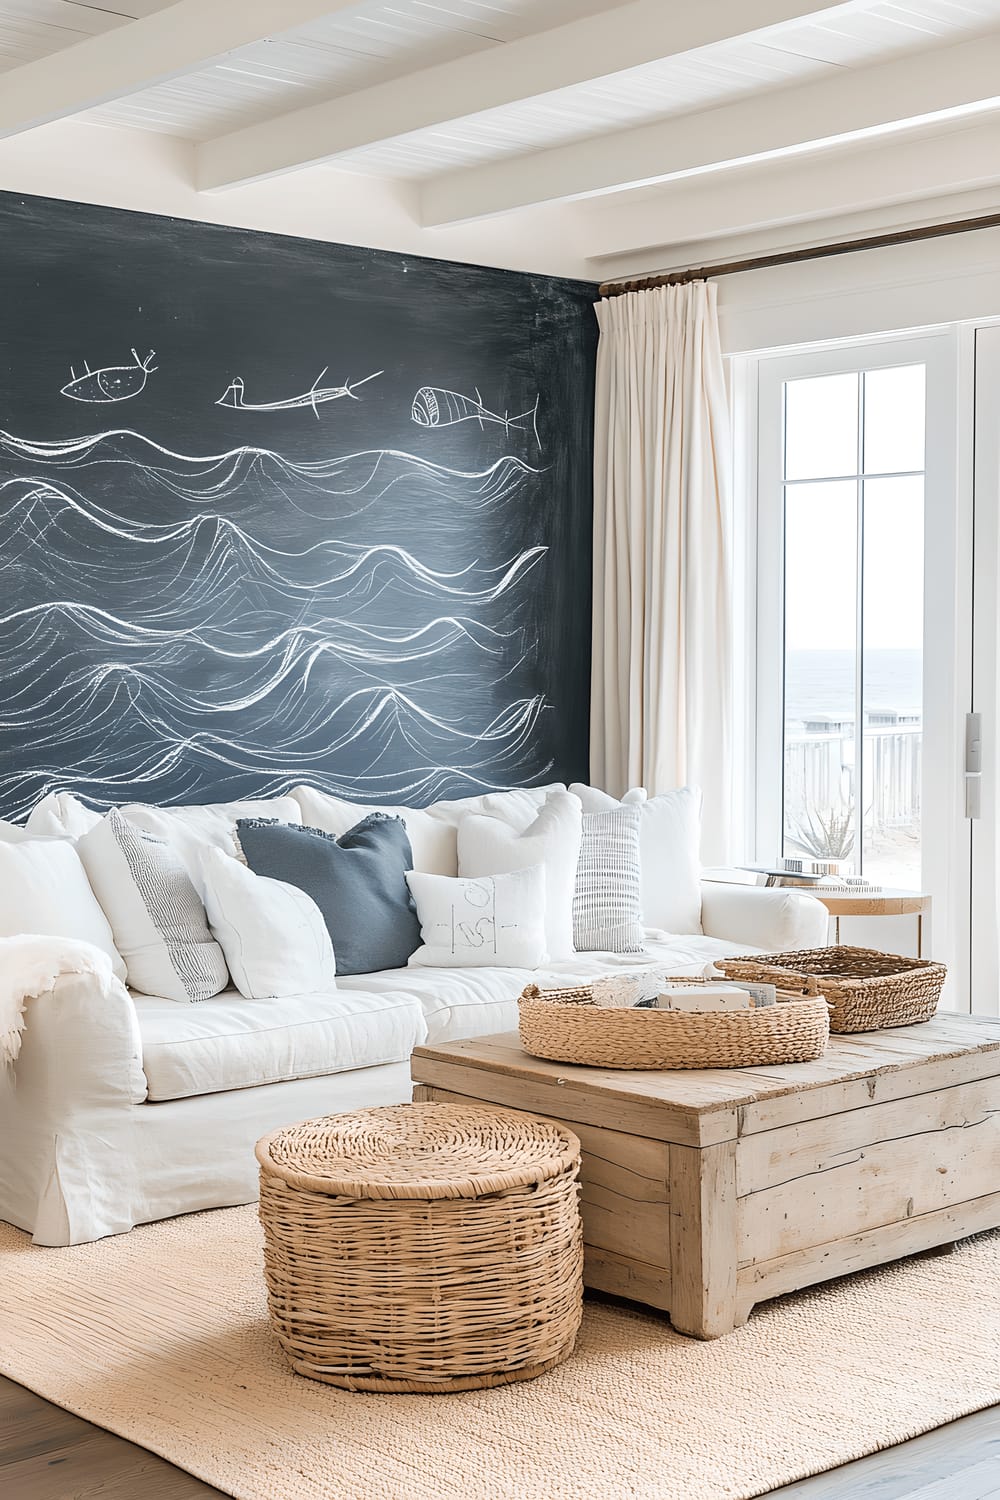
{"points": [[867, 990], [422, 1247], [566, 1026]]}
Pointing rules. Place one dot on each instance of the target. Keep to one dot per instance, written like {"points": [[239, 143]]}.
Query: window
{"points": [[841, 614]]}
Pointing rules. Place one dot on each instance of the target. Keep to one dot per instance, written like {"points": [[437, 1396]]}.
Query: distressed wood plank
{"points": [[702, 1093], [623, 1276], [878, 1185], [565, 1098], [703, 1236], [760, 1280], [871, 1087], [797, 1151]]}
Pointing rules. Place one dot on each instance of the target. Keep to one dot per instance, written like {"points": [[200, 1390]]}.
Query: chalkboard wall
{"points": [[276, 510]]}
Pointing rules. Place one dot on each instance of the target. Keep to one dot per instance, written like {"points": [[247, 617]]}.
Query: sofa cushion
{"points": [[433, 830], [476, 1002], [61, 815], [44, 890], [455, 1002], [16, 833], [230, 1042]]}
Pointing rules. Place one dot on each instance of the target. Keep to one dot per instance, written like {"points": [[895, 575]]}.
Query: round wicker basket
{"points": [[422, 1247], [566, 1026]]}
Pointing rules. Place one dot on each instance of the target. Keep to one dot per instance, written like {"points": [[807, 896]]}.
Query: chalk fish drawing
{"points": [[314, 396], [112, 383], [433, 407]]}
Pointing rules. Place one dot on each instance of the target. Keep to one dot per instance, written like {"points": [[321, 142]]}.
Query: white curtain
{"points": [[661, 690]]}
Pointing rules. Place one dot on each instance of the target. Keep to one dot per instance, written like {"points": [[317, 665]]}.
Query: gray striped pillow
{"points": [[155, 912], [607, 910]]}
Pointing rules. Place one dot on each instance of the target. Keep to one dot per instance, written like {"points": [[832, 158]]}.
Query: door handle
{"points": [[973, 765]]}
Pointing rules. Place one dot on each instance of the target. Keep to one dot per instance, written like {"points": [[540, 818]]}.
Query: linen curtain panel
{"points": [[661, 691]]}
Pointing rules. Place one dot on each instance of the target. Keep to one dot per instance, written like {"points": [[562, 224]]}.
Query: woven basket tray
{"points": [[566, 1026], [867, 990]]}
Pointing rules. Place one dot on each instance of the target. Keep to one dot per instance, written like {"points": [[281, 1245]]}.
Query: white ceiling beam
{"points": [[166, 44], [667, 224], [884, 96], [628, 35]]}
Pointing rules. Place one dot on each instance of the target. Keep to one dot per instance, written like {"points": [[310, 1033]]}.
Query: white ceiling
{"points": [[542, 143]]}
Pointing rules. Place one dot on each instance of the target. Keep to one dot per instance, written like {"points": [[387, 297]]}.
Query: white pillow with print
{"points": [[273, 935], [493, 920], [491, 846]]}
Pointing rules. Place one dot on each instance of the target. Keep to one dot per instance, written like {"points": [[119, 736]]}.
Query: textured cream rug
{"points": [[161, 1335]]}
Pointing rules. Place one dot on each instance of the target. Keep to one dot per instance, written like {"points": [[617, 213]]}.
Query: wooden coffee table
{"points": [[707, 1192]]}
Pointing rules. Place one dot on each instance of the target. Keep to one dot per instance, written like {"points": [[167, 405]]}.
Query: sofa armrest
{"points": [[776, 918], [80, 1047], [66, 1111]]}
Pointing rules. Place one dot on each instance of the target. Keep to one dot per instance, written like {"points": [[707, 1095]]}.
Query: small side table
{"points": [[885, 903]]}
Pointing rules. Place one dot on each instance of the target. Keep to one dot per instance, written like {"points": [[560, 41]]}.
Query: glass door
{"points": [[860, 552], [983, 754]]}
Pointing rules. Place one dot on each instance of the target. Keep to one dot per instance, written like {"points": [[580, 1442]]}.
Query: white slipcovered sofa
{"points": [[124, 1108]]}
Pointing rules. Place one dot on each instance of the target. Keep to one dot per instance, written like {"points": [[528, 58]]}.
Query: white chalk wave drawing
{"points": [[434, 407], [185, 627], [337, 488], [112, 382], [234, 395]]}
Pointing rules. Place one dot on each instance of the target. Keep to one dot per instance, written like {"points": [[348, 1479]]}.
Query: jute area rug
{"points": [[161, 1336]]}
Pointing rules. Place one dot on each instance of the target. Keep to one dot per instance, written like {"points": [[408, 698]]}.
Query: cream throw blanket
{"points": [[30, 966]]}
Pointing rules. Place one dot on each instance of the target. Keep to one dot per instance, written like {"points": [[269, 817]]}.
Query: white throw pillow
{"points": [[61, 815], [491, 846], [432, 842], [155, 912], [273, 935], [433, 830], [44, 890], [189, 829], [670, 852], [16, 833], [493, 921]]}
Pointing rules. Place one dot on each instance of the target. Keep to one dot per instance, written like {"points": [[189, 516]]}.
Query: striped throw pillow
{"points": [[607, 899]]}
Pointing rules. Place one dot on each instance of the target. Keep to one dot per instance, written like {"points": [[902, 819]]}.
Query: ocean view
{"points": [[822, 682]]}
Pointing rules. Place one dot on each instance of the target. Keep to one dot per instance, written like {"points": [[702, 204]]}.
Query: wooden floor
{"points": [[46, 1454]]}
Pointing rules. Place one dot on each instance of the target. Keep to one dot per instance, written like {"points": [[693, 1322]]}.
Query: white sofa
{"points": [[123, 1108]]}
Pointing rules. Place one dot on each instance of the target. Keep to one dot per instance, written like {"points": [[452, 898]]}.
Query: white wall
{"points": [[153, 173], [918, 285]]}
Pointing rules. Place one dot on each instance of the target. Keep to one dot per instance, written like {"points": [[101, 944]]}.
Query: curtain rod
{"points": [[791, 257]]}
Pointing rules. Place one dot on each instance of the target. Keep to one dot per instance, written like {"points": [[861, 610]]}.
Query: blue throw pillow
{"points": [[358, 882]]}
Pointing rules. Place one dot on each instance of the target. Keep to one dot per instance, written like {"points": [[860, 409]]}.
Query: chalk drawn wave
{"points": [[181, 627], [333, 488]]}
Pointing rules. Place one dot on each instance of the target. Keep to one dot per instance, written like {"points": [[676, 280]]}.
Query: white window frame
{"points": [[757, 386]]}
